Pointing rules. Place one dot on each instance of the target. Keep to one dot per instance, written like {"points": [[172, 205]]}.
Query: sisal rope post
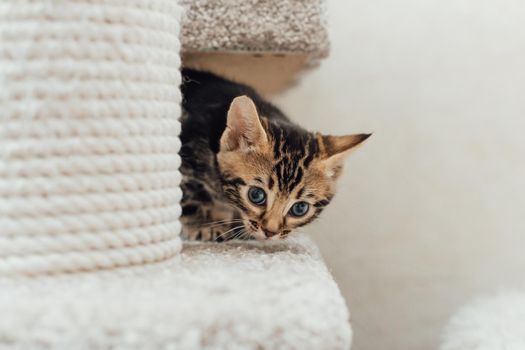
{"points": [[89, 108]]}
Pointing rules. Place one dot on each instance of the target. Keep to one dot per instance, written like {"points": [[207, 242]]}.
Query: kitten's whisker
{"points": [[223, 234], [238, 234], [230, 230], [244, 235], [219, 225], [234, 237], [241, 235], [211, 224], [222, 222], [240, 230]]}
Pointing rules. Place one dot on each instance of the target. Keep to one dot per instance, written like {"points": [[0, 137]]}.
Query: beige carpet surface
{"points": [[237, 295], [289, 26]]}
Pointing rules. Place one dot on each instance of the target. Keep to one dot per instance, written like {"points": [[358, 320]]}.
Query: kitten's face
{"points": [[279, 178]]}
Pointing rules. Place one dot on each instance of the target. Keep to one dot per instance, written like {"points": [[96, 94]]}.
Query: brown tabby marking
{"points": [[288, 164]]}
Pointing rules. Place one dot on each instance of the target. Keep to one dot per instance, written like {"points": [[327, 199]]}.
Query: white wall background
{"points": [[432, 210]]}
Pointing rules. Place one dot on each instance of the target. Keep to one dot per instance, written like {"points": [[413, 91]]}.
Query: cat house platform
{"points": [[90, 248], [238, 295], [265, 44]]}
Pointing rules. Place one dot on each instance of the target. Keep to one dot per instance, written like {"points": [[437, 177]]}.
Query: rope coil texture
{"points": [[89, 108]]}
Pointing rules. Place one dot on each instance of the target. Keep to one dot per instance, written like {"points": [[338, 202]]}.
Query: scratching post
{"points": [[89, 103]]}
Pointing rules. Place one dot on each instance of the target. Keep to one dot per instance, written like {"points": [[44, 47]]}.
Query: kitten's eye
{"points": [[257, 195], [299, 208]]}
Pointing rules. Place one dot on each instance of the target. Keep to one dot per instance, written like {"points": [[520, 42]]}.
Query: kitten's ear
{"points": [[336, 148], [243, 127]]}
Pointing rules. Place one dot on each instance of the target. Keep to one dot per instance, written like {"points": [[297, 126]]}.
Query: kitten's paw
{"points": [[203, 234]]}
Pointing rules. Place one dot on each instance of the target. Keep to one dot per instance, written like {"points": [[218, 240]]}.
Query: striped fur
{"points": [[233, 141]]}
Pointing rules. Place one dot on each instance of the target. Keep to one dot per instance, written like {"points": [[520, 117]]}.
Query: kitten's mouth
{"points": [[259, 234]]}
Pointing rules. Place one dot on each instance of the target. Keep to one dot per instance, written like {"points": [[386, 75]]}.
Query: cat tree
{"points": [[90, 254]]}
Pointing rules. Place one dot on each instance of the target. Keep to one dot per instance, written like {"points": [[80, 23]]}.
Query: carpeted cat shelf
{"points": [[495, 322], [263, 43], [90, 254]]}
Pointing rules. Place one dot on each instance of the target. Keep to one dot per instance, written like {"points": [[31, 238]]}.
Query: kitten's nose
{"points": [[269, 234], [271, 227]]}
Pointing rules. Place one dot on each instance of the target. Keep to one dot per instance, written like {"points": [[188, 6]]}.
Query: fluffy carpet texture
{"points": [[89, 109], [489, 323], [214, 296], [265, 26]]}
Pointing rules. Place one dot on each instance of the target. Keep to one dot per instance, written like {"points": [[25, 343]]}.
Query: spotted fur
{"points": [[233, 140]]}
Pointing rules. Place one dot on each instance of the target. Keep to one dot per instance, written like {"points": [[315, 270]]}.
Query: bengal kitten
{"points": [[248, 171]]}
